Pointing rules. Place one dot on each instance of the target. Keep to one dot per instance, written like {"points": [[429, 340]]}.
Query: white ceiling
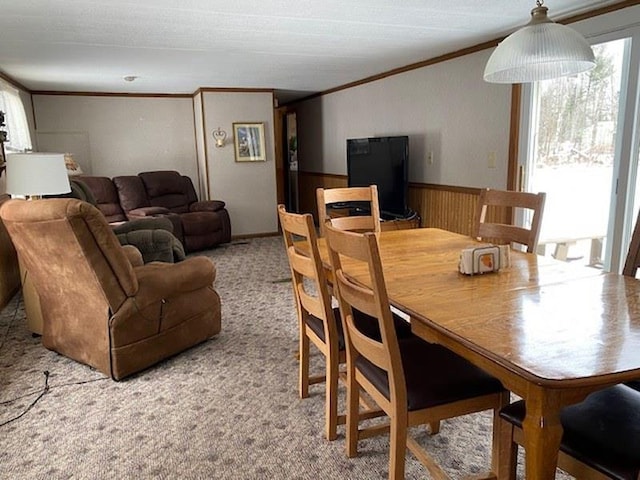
{"points": [[295, 46]]}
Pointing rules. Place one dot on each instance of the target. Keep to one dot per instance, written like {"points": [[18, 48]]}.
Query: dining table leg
{"points": [[542, 433]]}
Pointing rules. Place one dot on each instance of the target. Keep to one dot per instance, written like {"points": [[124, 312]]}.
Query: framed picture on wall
{"points": [[248, 139]]}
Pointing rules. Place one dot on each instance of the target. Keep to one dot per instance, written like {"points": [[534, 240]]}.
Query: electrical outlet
{"points": [[430, 158]]}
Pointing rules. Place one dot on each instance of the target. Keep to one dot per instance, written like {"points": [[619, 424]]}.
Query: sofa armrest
{"points": [[134, 255], [207, 206], [147, 212], [164, 280]]}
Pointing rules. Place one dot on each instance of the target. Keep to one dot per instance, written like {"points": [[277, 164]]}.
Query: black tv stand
{"points": [[410, 219], [388, 216], [389, 221]]}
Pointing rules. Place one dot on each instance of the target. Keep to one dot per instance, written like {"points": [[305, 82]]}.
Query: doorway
{"points": [[291, 165]]}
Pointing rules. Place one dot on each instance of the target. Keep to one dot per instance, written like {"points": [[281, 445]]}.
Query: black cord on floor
{"points": [[42, 394]]}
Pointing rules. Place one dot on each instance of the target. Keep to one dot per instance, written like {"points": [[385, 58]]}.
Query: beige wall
{"points": [[112, 136], [248, 188], [446, 109]]}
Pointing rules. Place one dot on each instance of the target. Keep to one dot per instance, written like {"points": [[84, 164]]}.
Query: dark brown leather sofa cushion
{"points": [[106, 197], [131, 192]]}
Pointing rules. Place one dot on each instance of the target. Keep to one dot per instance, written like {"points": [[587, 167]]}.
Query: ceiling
{"points": [[297, 47]]}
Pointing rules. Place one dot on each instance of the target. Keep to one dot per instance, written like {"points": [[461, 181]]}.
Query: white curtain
{"points": [[18, 136]]}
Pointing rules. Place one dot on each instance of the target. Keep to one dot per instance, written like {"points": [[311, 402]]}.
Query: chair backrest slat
{"points": [[501, 232], [361, 223], [370, 222]]}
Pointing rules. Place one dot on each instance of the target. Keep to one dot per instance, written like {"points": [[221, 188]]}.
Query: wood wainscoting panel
{"points": [[450, 207], [9, 269], [446, 207]]}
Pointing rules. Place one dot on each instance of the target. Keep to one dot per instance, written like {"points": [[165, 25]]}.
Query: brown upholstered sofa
{"points": [[101, 305], [197, 224]]}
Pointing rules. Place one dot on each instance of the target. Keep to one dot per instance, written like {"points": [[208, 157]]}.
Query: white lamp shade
{"points": [[37, 174], [539, 51]]}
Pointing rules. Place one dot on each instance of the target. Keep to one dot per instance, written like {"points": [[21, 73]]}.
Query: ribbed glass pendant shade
{"points": [[539, 51]]}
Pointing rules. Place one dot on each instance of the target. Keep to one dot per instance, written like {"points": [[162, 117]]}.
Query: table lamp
{"points": [[35, 174]]}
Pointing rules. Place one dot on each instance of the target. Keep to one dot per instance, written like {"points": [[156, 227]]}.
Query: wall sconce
{"points": [[219, 136]]}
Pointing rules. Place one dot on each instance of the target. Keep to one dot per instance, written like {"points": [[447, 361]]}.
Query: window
{"points": [[17, 127]]}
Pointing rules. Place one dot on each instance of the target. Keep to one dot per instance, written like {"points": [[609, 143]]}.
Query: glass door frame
{"points": [[626, 150]]}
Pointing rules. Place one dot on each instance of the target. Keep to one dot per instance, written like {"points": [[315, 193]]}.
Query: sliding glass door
{"points": [[574, 130]]}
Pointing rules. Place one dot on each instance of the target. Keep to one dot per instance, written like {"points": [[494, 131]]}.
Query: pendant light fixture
{"points": [[540, 50]]}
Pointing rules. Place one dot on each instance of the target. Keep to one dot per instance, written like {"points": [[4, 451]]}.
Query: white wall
{"points": [[445, 108], [248, 188], [112, 135]]}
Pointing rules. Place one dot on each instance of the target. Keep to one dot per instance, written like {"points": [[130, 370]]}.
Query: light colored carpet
{"points": [[226, 409]]}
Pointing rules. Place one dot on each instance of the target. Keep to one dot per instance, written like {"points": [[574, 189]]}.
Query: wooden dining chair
{"points": [[349, 218], [632, 263], [412, 381], [345, 220], [496, 231], [601, 436], [316, 319], [319, 323]]}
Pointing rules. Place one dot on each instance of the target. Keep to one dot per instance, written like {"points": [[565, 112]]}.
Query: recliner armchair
{"points": [[152, 236], [99, 308], [203, 224]]}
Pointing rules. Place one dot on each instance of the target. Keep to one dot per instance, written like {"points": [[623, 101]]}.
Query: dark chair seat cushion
{"points": [[366, 324], [634, 384], [603, 431], [433, 374]]}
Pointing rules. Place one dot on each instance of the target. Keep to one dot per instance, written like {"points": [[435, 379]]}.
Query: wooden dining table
{"points": [[551, 331]]}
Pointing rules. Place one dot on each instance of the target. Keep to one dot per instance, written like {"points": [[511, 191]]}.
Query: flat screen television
{"points": [[381, 161]]}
